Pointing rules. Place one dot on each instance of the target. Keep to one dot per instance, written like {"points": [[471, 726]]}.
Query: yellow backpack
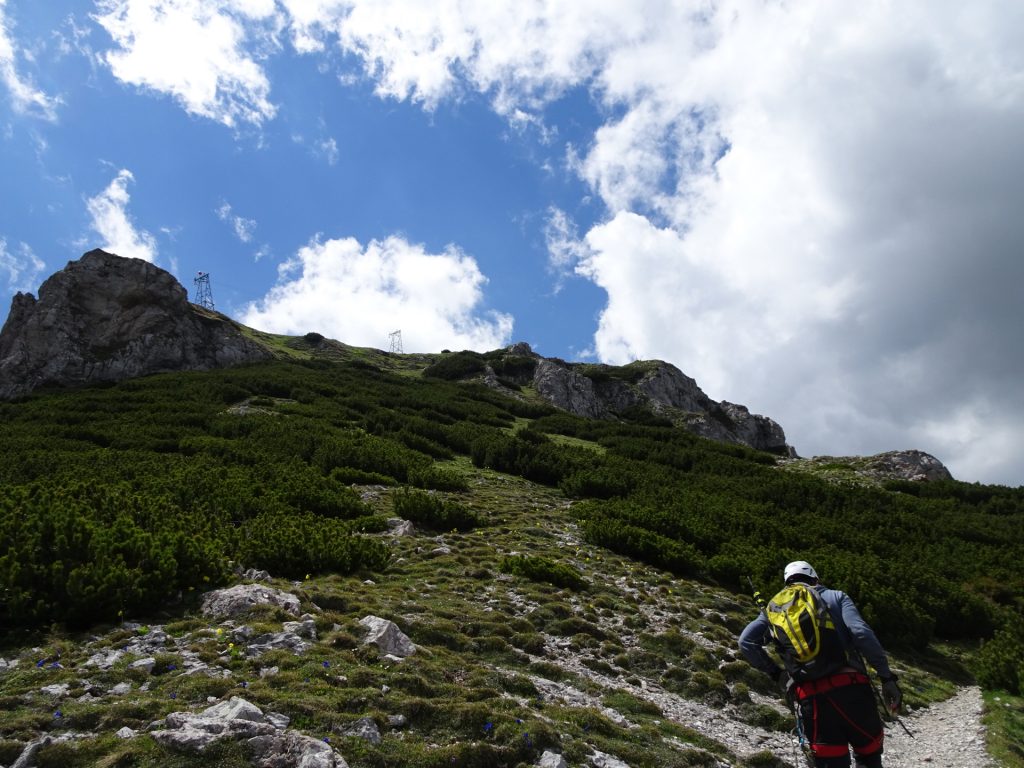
{"points": [[804, 633]]}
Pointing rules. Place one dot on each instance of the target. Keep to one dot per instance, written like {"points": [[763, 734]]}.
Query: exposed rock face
{"points": [[910, 465], [238, 599], [107, 318], [604, 391], [913, 465], [568, 390], [240, 720]]}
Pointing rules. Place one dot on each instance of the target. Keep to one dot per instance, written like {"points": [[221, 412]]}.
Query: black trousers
{"points": [[840, 718]]}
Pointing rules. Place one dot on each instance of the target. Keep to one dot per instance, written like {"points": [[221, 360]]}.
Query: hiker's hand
{"points": [[785, 683], [891, 694]]}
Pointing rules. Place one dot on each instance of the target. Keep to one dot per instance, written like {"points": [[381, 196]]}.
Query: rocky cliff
{"points": [[107, 318], [605, 391]]}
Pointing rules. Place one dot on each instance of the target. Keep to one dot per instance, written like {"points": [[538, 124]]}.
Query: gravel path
{"points": [[946, 735]]}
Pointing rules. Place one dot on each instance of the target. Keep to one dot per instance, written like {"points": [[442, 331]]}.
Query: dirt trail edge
{"points": [[946, 735]]}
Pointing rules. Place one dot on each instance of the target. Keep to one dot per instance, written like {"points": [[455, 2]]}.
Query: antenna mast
{"points": [[396, 341], [204, 298]]}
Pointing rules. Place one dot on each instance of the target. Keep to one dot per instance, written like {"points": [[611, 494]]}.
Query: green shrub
{"points": [[1000, 663], [431, 511], [460, 365], [295, 545], [85, 552], [542, 569]]}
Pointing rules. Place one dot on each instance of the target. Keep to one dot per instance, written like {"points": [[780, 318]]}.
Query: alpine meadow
{"points": [[557, 572]]}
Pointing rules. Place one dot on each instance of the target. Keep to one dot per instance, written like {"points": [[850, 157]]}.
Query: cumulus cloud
{"points": [[111, 221], [816, 218], [358, 294], [810, 211], [204, 53], [26, 98], [242, 227], [521, 53], [21, 266]]}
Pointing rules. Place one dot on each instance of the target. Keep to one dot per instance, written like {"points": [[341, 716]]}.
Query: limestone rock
{"points": [[293, 750], [601, 760], [910, 465], [188, 732], [363, 728], [605, 391], [106, 318], [240, 719], [146, 665], [387, 637], [567, 390], [27, 758], [238, 599], [552, 760]]}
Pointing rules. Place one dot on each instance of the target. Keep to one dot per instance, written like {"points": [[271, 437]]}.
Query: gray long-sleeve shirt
{"points": [[853, 631]]}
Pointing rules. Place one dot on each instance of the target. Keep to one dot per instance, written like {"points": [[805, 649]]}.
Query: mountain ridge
{"points": [[105, 318]]}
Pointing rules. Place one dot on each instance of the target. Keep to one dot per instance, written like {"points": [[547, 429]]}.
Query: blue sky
{"points": [[812, 211]]}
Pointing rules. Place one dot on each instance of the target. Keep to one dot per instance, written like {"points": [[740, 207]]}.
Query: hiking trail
{"points": [[948, 734]]}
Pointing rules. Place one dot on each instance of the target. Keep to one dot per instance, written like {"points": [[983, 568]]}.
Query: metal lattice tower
{"points": [[204, 298], [396, 341]]}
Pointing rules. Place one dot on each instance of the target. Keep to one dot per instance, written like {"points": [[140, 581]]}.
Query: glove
{"points": [[891, 694]]}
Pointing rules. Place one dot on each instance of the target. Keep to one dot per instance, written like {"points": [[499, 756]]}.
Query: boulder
{"points": [[188, 732], [387, 637], [601, 760], [552, 760], [238, 599], [237, 718], [293, 750], [363, 728], [27, 758]]}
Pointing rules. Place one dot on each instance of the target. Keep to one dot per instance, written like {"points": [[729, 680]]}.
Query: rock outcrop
{"points": [[236, 600], [910, 465], [913, 465], [105, 318], [238, 719], [605, 391]]}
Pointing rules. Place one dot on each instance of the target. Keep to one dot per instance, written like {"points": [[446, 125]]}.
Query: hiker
{"points": [[824, 678]]}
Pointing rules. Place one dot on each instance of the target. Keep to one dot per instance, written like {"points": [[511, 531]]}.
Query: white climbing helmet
{"points": [[799, 568]]}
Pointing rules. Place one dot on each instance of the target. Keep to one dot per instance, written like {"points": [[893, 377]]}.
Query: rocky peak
{"points": [[108, 318], [607, 391]]}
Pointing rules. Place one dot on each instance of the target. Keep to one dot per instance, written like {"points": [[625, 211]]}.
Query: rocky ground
{"points": [[946, 735]]}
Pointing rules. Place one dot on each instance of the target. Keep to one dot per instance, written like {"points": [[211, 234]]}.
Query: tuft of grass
{"points": [[1004, 718]]}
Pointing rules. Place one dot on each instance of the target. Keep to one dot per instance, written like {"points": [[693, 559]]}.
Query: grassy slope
{"points": [[476, 694], [472, 692]]}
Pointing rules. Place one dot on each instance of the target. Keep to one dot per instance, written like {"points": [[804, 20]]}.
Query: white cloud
{"points": [[110, 220], [243, 227], [328, 149], [521, 53], [359, 294], [809, 210], [204, 53], [22, 268], [25, 97]]}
